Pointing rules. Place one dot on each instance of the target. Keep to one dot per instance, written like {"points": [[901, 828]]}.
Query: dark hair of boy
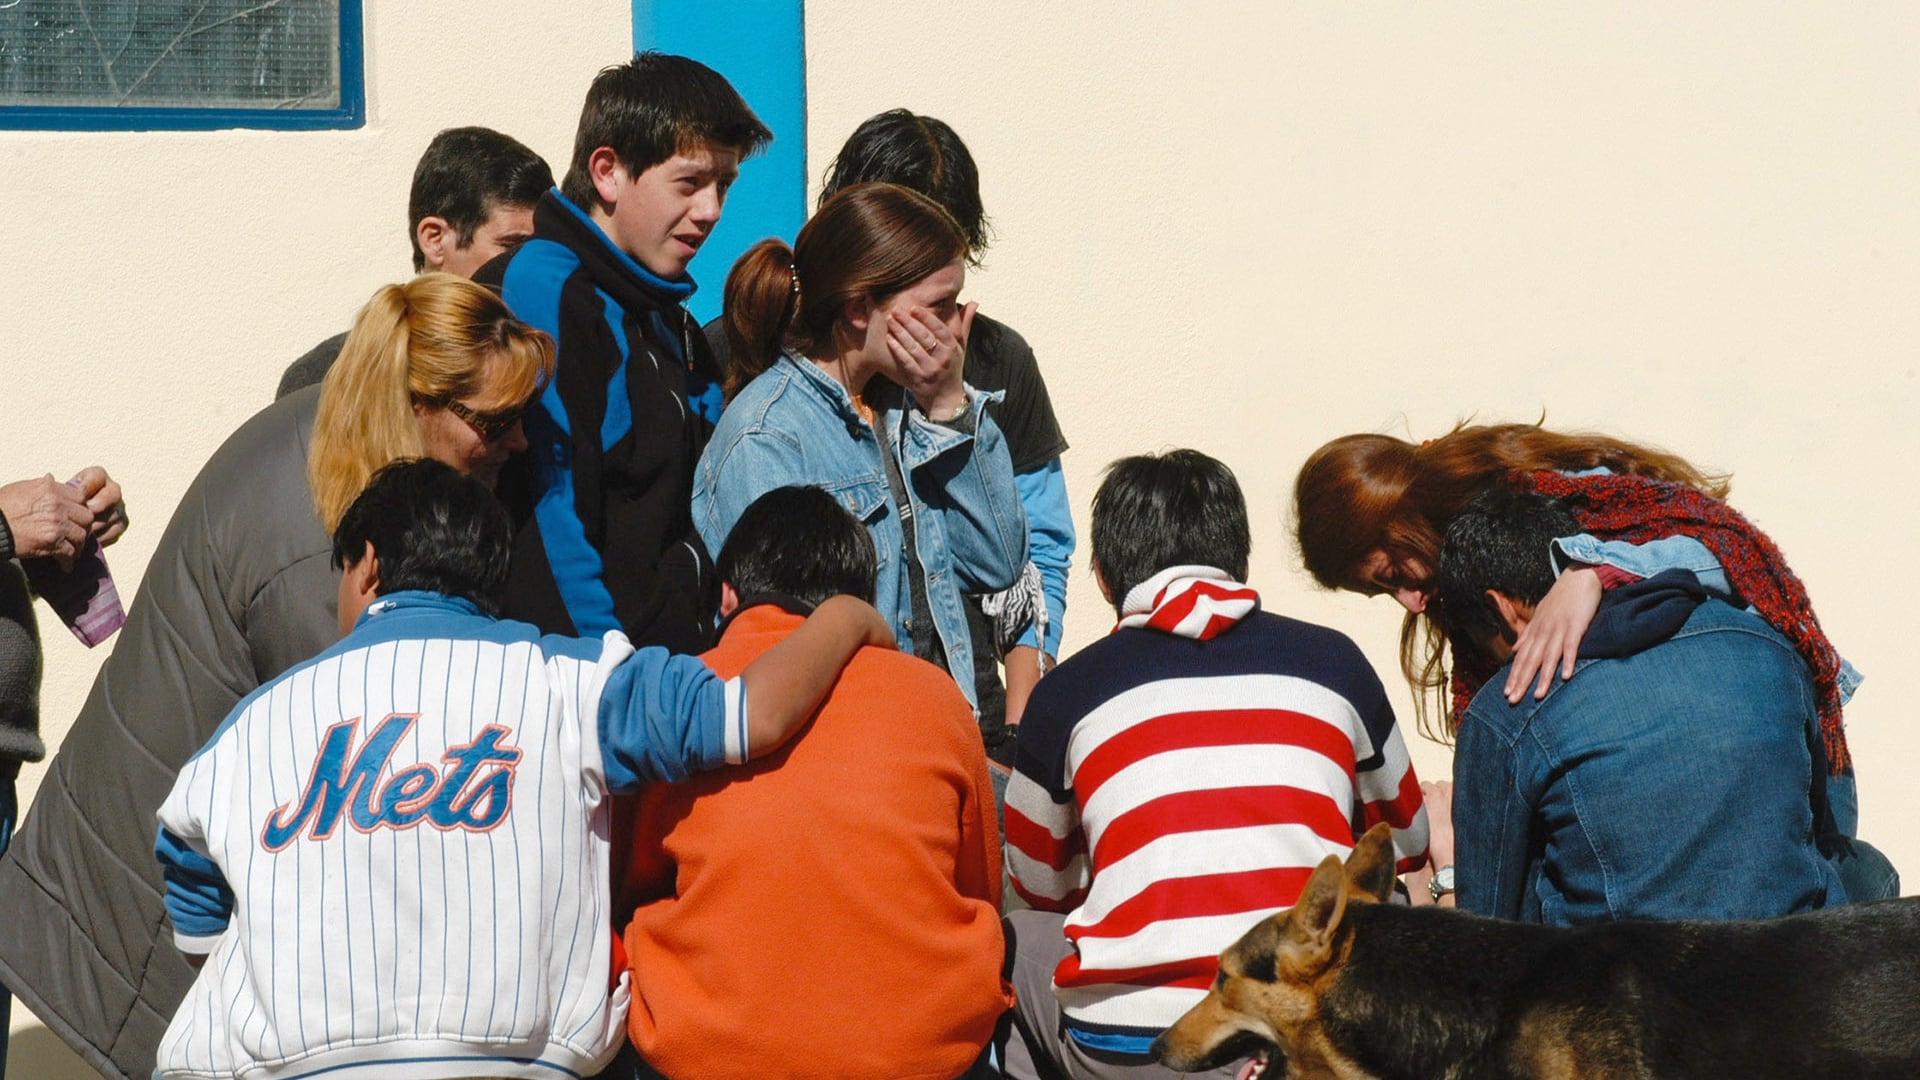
{"points": [[464, 174], [1153, 511], [798, 542], [1500, 541], [655, 106], [432, 529], [920, 153]]}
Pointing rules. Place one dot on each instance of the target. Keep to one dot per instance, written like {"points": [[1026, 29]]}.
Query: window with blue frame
{"points": [[180, 64]]}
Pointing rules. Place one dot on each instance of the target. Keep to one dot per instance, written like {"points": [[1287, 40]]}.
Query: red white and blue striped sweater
{"points": [[1177, 781]]}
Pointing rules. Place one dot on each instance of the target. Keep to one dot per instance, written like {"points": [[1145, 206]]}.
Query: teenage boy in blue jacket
{"points": [[606, 539]]}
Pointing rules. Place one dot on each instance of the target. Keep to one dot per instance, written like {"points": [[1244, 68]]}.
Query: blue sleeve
{"points": [[666, 717], [1490, 823], [532, 285], [1050, 543], [1646, 560], [198, 899]]}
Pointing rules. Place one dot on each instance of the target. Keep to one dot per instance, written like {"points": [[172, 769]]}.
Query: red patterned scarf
{"points": [[1614, 506]]}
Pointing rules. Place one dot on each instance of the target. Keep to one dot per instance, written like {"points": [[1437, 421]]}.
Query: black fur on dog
{"points": [[1343, 986]]}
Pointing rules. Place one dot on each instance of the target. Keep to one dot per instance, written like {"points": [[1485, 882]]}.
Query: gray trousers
{"points": [[1037, 1044]]}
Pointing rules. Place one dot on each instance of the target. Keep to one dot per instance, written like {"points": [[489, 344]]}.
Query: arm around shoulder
{"points": [[665, 717], [785, 684]]}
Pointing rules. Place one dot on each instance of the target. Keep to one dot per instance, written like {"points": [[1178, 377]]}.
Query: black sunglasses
{"points": [[490, 426]]}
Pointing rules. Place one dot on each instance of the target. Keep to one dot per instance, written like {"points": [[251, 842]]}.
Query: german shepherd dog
{"points": [[1344, 986]]}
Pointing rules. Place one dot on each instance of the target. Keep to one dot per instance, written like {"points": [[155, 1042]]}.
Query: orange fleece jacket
{"points": [[830, 910]]}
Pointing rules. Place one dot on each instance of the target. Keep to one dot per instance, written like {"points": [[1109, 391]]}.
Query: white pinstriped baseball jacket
{"points": [[395, 855]]}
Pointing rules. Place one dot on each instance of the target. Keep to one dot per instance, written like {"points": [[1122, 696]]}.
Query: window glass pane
{"points": [[255, 54]]}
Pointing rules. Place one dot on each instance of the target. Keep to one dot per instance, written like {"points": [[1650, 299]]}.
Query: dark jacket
{"points": [[239, 589], [19, 665], [606, 538]]}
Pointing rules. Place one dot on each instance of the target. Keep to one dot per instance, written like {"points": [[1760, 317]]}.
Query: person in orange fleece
{"points": [[830, 910]]}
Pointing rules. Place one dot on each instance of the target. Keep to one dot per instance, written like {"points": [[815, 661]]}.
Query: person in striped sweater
{"points": [[1177, 781]]}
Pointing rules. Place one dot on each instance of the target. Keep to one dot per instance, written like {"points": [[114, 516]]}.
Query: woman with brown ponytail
{"points": [[846, 375], [240, 589]]}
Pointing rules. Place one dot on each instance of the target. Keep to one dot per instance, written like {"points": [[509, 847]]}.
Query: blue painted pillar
{"points": [[760, 46]]}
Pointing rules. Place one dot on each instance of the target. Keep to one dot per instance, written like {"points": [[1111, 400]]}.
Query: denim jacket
{"points": [[1672, 783], [795, 424]]}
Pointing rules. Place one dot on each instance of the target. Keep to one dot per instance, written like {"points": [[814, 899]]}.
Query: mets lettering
{"points": [[473, 793]]}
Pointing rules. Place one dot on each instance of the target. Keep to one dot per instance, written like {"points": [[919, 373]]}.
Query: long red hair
{"points": [[1367, 493]]}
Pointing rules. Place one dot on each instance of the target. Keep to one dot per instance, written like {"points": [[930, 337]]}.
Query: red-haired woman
{"points": [[1369, 511]]}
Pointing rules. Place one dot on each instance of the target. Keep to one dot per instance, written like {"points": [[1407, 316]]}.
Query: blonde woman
{"points": [[239, 590], [436, 368]]}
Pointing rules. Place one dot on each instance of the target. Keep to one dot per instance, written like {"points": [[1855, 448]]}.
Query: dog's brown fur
{"points": [[1344, 987]]}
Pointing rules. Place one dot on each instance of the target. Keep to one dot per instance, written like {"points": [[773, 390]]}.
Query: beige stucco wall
{"points": [[1242, 227], [156, 284], [1252, 227]]}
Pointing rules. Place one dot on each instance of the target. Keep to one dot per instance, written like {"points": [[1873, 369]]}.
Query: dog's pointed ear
{"points": [[1314, 922], [1370, 864]]}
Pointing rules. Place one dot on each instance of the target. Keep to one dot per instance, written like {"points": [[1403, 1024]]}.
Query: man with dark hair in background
{"points": [[603, 496], [1677, 774], [472, 199], [1176, 781], [782, 906]]}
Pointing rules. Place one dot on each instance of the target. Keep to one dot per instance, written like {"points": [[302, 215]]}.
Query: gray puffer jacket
{"points": [[239, 590]]}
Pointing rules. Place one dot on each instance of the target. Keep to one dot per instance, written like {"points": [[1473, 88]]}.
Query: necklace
{"points": [[859, 402]]}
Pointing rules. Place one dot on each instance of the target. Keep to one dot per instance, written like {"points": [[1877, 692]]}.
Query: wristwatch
{"points": [[1441, 883]]}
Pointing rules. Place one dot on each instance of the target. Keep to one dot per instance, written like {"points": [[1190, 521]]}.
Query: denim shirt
{"points": [[1672, 783], [795, 424]]}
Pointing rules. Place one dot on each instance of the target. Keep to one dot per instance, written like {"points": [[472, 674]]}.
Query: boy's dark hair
{"points": [[917, 152], [465, 173], [1500, 541], [798, 542], [652, 107], [432, 529], [1153, 511]]}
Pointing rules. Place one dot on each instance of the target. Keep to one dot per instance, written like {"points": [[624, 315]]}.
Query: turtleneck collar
{"points": [[408, 602], [557, 214], [1196, 602]]}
